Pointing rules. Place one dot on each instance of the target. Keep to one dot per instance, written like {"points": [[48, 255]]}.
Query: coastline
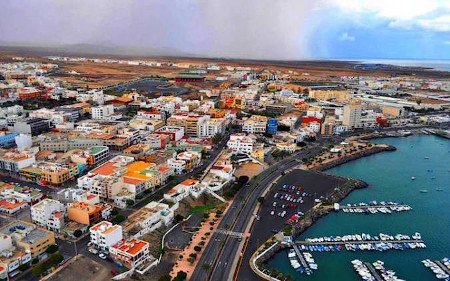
{"points": [[277, 242]]}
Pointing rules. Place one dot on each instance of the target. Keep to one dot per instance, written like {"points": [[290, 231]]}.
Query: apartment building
{"points": [[131, 252], [31, 126], [191, 122], [48, 173], [327, 94], [241, 143], [174, 132], [211, 127], [102, 111], [105, 234], [70, 195], [256, 124], [28, 237], [84, 213], [149, 218], [49, 213], [14, 160], [352, 115]]}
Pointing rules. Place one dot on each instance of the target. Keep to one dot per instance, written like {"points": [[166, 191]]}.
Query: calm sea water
{"points": [[443, 65], [389, 177]]}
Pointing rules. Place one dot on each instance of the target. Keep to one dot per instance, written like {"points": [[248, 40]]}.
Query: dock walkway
{"points": [[373, 272], [300, 257], [330, 243], [443, 267]]}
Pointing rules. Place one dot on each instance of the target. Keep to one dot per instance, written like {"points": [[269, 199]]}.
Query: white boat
{"points": [[413, 178]]}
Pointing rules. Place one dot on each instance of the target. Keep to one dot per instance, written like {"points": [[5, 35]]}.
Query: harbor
{"points": [[389, 179], [373, 207]]}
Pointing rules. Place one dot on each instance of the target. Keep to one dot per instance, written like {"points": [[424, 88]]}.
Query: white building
{"points": [[102, 112], [212, 127], [352, 116], [104, 235], [241, 143], [49, 213]]}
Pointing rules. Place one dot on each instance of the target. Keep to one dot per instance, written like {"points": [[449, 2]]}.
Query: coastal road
{"points": [[221, 250]]}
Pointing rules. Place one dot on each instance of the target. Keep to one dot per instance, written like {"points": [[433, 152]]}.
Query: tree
{"points": [[56, 258], [181, 275], [197, 248], [52, 249], [77, 233], [38, 269], [114, 212], [217, 138], [118, 219], [129, 202], [165, 277], [178, 218], [261, 199], [206, 267], [24, 267]]}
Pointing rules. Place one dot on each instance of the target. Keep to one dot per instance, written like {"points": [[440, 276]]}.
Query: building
{"points": [[28, 237], [191, 122], [131, 253], [84, 213], [256, 124], [99, 153], [14, 160], [49, 213], [32, 126], [272, 126], [104, 235], [325, 95], [189, 78], [7, 139], [352, 115], [175, 133], [102, 111], [241, 143], [149, 218], [212, 127]]}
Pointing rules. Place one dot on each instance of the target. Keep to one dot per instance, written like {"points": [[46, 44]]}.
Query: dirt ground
{"points": [[82, 268]]}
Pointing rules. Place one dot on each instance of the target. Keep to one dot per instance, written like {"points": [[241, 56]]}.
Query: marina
{"points": [[373, 207], [441, 269], [363, 242], [389, 180], [374, 272], [302, 262]]}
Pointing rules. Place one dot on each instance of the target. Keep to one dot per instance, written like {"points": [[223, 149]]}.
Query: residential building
{"points": [[175, 133], [352, 115], [131, 253], [105, 234], [102, 111], [32, 126], [49, 213], [84, 213], [241, 143], [256, 124], [149, 218]]}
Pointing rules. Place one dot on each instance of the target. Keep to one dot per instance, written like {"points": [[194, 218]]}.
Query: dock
{"points": [[443, 267], [300, 257], [337, 243], [373, 272]]}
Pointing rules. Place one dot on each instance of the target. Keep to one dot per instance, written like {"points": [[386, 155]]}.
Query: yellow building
{"points": [[340, 95], [84, 213]]}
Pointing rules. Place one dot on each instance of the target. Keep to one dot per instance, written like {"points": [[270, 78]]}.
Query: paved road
{"points": [[221, 250]]}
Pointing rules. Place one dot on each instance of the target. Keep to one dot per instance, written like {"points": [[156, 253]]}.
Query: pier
{"points": [[300, 257], [342, 243], [373, 271], [373, 207], [443, 267]]}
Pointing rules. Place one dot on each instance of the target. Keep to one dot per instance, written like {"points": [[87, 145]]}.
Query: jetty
{"points": [[443, 267], [373, 207], [440, 269], [373, 271], [300, 257]]}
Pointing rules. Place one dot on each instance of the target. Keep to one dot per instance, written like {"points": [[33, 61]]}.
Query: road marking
{"points": [[230, 233]]}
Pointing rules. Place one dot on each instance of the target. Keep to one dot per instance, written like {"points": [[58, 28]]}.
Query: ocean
{"points": [[442, 65], [389, 177]]}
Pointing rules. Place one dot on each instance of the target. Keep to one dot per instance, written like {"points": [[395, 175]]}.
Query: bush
{"points": [[118, 219], [197, 248], [129, 202], [206, 215], [56, 258], [193, 255], [38, 269], [52, 249], [139, 196], [77, 233], [114, 212], [34, 261], [24, 267], [178, 218], [181, 275]]}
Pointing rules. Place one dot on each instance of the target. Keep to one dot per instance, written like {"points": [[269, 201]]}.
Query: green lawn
{"points": [[201, 209]]}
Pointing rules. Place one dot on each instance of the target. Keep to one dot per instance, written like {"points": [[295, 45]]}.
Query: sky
{"points": [[254, 29]]}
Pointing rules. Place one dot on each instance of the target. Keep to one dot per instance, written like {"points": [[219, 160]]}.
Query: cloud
{"points": [[346, 37], [431, 15], [447, 42]]}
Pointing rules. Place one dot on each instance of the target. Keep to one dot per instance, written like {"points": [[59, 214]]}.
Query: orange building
{"points": [[84, 213]]}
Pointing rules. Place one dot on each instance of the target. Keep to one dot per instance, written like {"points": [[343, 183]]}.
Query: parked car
{"points": [[93, 251]]}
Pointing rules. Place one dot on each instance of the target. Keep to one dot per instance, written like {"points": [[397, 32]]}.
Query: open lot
{"points": [[82, 268], [313, 183]]}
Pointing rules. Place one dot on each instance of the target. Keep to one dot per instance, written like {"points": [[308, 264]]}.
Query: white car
{"points": [[102, 256], [93, 251]]}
